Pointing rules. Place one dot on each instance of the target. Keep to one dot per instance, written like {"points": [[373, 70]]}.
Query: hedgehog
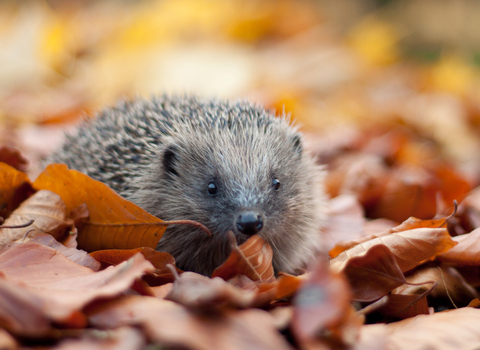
{"points": [[229, 165]]}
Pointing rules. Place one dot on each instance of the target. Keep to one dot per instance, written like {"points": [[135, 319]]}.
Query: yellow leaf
{"points": [[452, 74], [375, 41]]}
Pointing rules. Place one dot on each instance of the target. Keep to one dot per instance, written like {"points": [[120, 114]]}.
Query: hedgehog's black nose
{"points": [[249, 223]]}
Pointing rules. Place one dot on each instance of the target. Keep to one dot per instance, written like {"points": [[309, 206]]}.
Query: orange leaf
{"points": [[409, 224], [252, 259], [410, 248], [114, 222], [14, 189], [159, 260], [288, 284]]}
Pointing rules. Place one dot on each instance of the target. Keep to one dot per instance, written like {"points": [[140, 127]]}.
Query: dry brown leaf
{"points": [[360, 174], [405, 305], [172, 325], [12, 156], [14, 189], [77, 256], [466, 252], [453, 186], [410, 191], [159, 260], [450, 286], [122, 338], [201, 293], [252, 259], [7, 342], [469, 209], [321, 304], [161, 291], [265, 292], [48, 212], [22, 312], [344, 222], [372, 337], [114, 223], [409, 224], [372, 273], [410, 248], [452, 329], [59, 286]]}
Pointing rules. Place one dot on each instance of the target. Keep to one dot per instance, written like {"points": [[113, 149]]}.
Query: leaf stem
{"points": [[186, 222], [20, 226]]}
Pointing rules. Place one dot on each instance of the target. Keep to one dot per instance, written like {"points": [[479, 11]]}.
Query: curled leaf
{"points": [[252, 259], [48, 212]]}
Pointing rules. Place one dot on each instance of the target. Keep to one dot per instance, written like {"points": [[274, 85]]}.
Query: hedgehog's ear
{"points": [[297, 143], [169, 160]]}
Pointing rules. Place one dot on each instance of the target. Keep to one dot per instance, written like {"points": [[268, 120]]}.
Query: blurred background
{"points": [[387, 92]]}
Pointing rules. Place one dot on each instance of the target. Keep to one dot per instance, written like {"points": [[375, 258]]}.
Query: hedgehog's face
{"points": [[248, 185]]}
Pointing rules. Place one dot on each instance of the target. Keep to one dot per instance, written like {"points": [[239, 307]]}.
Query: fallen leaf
{"points": [[344, 221], [322, 304], [48, 213], [15, 187], [252, 259], [22, 312], [410, 191], [288, 285], [161, 291], [201, 293], [372, 337], [114, 223], [172, 325], [410, 248], [77, 256], [372, 273], [466, 252], [159, 260], [451, 287], [409, 224], [61, 287], [12, 156], [405, 305], [359, 174], [452, 329], [7, 342], [125, 338]]}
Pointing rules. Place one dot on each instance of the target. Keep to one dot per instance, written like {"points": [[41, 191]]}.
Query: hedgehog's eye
{"points": [[276, 184], [212, 188]]}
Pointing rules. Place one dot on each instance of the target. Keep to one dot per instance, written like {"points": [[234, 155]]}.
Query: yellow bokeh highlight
{"points": [[56, 44], [452, 74], [375, 41]]}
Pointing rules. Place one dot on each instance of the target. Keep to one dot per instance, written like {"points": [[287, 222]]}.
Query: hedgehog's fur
{"points": [[162, 153]]}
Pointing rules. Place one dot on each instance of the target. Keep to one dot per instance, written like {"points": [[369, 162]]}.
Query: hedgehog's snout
{"points": [[249, 222]]}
